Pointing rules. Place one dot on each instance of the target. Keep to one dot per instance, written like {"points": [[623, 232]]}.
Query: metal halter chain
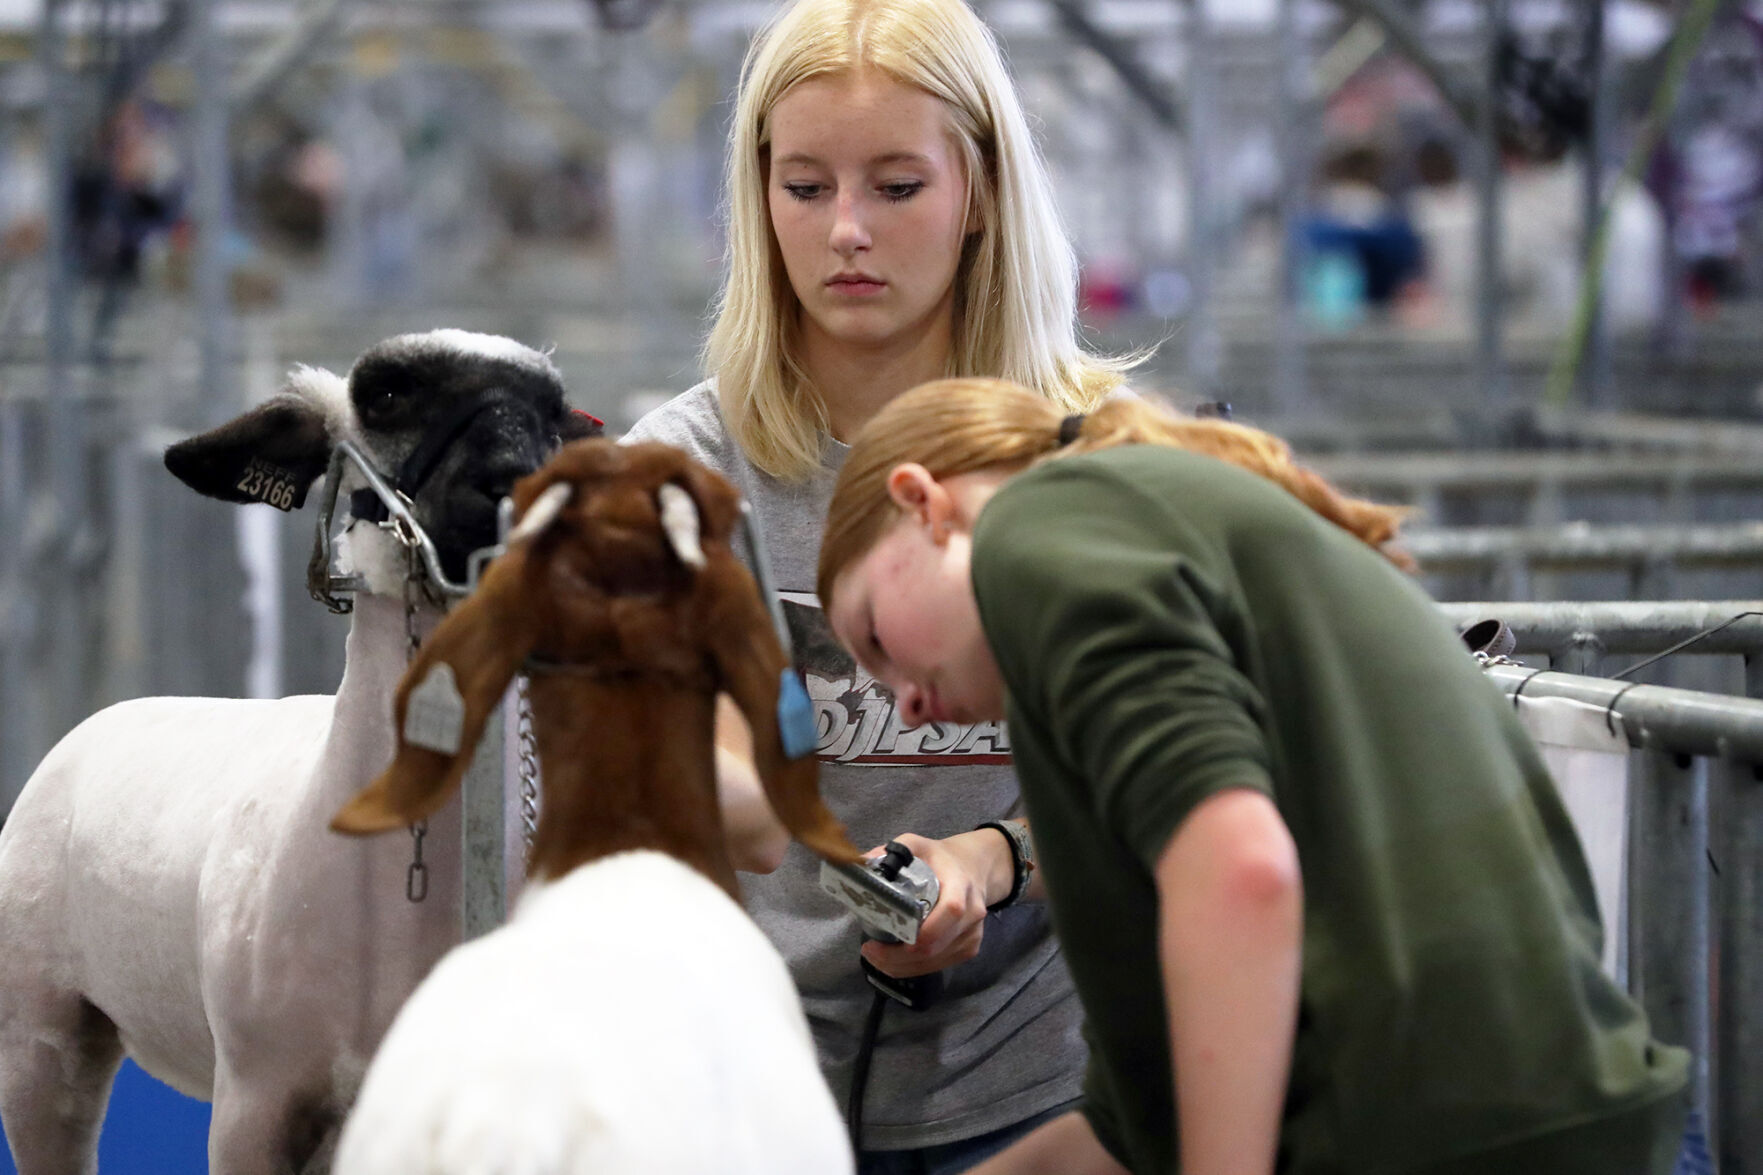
{"points": [[528, 745], [416, 879]]}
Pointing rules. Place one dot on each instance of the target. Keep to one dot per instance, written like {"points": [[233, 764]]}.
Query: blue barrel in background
{"points": [[150, 1129]]}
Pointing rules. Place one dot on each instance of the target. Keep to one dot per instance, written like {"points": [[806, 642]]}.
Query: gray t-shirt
{"points": [[1004, 1042]]}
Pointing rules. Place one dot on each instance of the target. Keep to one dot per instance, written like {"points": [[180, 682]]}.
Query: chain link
{"points": [[416, 880], [528, 746]]}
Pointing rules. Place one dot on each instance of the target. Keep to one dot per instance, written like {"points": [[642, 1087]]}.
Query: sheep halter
{"points": [[335, 591]]}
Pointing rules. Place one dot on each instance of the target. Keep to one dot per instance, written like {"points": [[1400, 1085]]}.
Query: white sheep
{"points": [[630, 1017], [168, 887]]}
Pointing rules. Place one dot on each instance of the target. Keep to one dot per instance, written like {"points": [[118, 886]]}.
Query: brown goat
{"points": [[627, 647]]}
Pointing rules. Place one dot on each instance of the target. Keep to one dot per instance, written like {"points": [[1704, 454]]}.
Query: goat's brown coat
{"points": [[640, 645]]}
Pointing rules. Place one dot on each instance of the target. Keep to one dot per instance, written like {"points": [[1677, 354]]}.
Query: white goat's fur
{"points": [[168, 870], [515, 1036]]}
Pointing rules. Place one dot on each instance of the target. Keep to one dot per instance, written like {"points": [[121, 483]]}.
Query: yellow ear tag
{"points": [[434, 716]]}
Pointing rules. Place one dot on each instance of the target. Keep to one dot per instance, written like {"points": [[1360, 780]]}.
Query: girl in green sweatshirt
{"points": [[1323, 906]]}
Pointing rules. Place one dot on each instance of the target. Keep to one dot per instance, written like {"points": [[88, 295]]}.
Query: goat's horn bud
{"points": [[542, 513], [679, 518]]}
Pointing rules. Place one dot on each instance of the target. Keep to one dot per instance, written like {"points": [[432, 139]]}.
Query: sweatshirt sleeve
{"points": [[1104, 610]]}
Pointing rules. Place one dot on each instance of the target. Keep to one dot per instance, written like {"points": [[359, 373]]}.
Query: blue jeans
{"points": [[952, 1158]]}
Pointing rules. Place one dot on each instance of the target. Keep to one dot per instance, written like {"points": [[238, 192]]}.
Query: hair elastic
{"points": [[1069, 428]]}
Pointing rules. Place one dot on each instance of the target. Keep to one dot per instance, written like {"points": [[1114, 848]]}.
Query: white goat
{"points": [[631, 1017], [168, 886]]}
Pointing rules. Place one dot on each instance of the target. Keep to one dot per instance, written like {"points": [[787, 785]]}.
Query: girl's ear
{"points": [[920, 496]]}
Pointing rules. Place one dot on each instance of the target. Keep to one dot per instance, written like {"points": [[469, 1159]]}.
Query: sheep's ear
{"points": [[751, 663], [446, 697], [272, 453]]}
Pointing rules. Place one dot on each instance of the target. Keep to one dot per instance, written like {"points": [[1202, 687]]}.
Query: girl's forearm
{"points": [[1231, 902], [756, 838]]}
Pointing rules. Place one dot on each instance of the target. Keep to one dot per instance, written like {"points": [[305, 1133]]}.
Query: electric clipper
{"points": [[890, 896]]}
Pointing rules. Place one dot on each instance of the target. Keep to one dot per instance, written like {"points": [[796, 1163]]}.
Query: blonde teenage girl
{"points": [[890, 221], [1324, 908]]}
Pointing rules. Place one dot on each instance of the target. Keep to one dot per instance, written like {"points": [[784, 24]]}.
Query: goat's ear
{"points": [[483, 642], [751, 662], [272, 453]]}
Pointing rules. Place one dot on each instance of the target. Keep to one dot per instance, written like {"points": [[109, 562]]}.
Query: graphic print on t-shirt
{"points": [[855, 716]]}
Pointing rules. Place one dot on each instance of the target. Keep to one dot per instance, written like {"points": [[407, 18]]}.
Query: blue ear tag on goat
{"points": [[795, 716]]}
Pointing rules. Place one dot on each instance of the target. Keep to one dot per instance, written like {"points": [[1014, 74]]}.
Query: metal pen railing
{"points": [[1654, 559], [1550, 488], [1695, 883], [1578, 636]]}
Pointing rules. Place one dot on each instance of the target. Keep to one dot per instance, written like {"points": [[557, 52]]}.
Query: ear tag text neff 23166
{"points": [[795, 713], [434, 715], [264, 482]]}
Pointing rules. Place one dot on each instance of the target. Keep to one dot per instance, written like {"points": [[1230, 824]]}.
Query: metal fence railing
{"points": [[1539, 489], [1695, 884], [1651, 562], [1578, 637]]}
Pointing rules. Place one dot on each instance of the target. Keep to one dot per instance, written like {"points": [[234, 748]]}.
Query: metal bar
{"points": [[483, 884], [217, 563], [1594, 372], [1490, 379], [264, 73], [1739, 1092], [1681, 721], [1622, 626], [1583, 544], [1434, 471], [210, 205], [1291, 61], [1581, 653], [1138, 80], [1401, 31], [58, 700], [15, 755], [1691, 27], [1204, 347], [1668, 913], [1350, 52]]}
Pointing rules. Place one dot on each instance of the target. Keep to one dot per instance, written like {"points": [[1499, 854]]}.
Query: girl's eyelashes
{"points": [[805, 191], [904, 190]]}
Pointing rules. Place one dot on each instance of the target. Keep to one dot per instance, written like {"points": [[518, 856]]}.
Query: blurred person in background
{"points": [[1362, 252], [131, 190], [891, 221], [1541, 243], [24, 185]]}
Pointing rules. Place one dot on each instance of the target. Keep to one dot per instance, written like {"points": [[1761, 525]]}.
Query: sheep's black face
{"points": [[454, 420]]}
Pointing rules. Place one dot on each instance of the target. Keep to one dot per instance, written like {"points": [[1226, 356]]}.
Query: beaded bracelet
{"points": [[1022, 859]]}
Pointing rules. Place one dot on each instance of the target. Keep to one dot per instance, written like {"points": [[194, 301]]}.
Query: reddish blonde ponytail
{"points": [[956, 426]]}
